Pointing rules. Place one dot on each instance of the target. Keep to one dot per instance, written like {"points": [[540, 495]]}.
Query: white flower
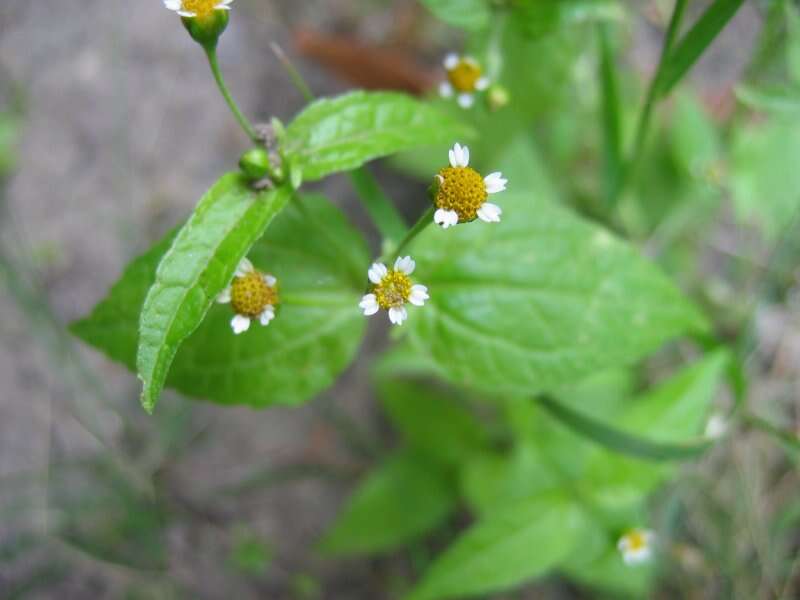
{"points": [[716, 426], [460, 193], [464, 78], [392, 289], [195, 8], [636, 546], [252, 295]]}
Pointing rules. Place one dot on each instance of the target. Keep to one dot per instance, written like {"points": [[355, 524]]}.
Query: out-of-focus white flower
{"points": [[636, 546], [464, 78]]}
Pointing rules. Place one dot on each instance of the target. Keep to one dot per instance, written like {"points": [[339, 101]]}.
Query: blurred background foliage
{"points": [[713, 200]]}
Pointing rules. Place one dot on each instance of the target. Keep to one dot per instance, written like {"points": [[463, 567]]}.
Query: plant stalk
{"points": [[211, 53]]}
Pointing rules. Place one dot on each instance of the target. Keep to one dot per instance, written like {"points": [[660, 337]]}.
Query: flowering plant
{"points": [[512, 376]]}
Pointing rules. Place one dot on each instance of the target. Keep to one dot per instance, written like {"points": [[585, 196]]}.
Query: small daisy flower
{"points": [[392, 289], [252, 295], [464, 78], [460, 193], [197, 8], [636, 546], [716, 426]]}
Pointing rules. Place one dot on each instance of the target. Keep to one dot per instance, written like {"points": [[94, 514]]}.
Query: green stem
{"points": [[645, 117], [425, 220], [294, 74], [211, 53]]}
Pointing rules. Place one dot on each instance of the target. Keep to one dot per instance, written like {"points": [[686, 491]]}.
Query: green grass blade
{"points": [[696, 41]]}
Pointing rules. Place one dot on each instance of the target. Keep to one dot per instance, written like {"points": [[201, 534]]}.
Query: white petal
{"points": [[369, 304], [451, 61], [716, 426], [398, 314], [452, 155], [270, 280], [173, 4], [245, 267], [405, 264], [445, 218], [224, 296], [186, 13], [465, 100], [223, 5], [445, 89], [240, 323], [495, 182], [419, 293], [490, 213], [267, 315], [377, 272], [482, 84]]}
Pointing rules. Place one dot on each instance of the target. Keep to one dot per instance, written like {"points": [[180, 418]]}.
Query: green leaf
{"points": [[695, 42], [664, 424], [538, 17], [503, 550], [198, 265], [318, 259], [342, 133], [542, 298], [400, 501], [776, 98], [764, 179], [471, 15], [432, 419], [696, 142]]}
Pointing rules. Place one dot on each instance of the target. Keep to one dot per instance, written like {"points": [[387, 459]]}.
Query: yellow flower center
{"points": [[201, 8], [393, 290], [461, 189], [636, 540], [250, 294], [464, 75]]}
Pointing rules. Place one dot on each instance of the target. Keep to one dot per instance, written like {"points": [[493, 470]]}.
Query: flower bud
{"points": [[497, 97], [206, 29], [255, 164]]}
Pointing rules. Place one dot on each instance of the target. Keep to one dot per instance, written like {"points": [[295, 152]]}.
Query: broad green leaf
{"points": [[542, 298], [342, 133], [432, 419], [471, 15], [503, 550], [764, 179], [776, 98], [608, 574], [664, 424], [695, 139], [400, 501], [198, 265], [318, 259], [538, 17], [686, 53]]}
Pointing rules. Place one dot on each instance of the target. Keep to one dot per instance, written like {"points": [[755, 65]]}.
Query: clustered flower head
{"points": [[252, 295], [392, 289], [460, 193], [197, 8], [636, 546], [464, 79]]}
